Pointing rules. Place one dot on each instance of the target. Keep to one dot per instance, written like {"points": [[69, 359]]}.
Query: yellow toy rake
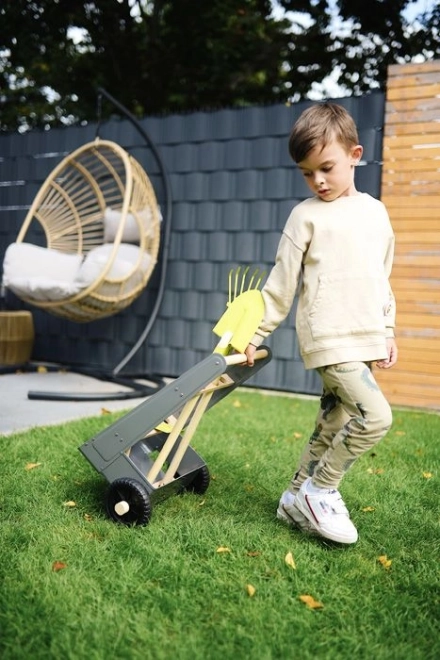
{"points": [[146, 454]]}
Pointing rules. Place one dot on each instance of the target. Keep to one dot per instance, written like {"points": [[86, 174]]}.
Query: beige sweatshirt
{"points": [[339, 256]]}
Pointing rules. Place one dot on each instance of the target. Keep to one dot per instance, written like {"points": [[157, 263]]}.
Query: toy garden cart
{"points": [[146, 454]]}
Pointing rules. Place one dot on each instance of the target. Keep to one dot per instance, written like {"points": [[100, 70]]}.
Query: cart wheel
{"points": [[128, 502], [200, 482]]}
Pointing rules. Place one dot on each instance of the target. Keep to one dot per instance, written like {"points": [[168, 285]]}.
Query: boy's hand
{"points": [[392, 355], [250, 352]]}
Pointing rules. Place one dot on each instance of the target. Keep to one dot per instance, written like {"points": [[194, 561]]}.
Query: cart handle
{"points": [[239, 358]]}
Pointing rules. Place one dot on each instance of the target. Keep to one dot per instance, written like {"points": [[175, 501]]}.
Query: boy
{"points": [[339, 246]]}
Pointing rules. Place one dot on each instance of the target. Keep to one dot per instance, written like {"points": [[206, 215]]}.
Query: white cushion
{"points": [[123, 264], [43, 288], [27, 260], [40, 273], [130, 234], [48, 275]]}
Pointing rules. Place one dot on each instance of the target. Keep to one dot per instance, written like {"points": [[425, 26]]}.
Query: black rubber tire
{"points": [[201, 481], [136, 495]]}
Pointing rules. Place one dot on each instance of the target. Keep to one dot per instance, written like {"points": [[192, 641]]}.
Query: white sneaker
{"points": [[288, 513], [326, 512]]}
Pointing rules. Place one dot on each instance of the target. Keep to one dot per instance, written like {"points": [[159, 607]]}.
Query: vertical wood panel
{"points": [[411, 192]]}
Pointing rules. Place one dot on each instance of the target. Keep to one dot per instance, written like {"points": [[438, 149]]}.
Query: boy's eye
{"points": [[326, 169]]}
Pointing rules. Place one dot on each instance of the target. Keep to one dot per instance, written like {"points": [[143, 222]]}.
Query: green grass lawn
{"points": [[165, 591]]}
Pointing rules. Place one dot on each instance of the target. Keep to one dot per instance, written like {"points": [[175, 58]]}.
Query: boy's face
{"points": [[329, 171]]}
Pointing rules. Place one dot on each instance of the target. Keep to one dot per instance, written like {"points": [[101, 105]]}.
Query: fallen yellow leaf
{"points": [[237, 404], [311, 602], [251, 590], [289, 560], [104, 411], [375, 471], [386, 563], [70, 503], [297, 435], [42, 370], [88, 517], [427, 475], [367, 509], [253, 553], [31, 466], [223, 549]]}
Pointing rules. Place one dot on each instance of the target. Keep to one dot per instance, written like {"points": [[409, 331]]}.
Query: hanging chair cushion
{"points": [[40, 273], [125, 261], [43, 274], [130, 233]]}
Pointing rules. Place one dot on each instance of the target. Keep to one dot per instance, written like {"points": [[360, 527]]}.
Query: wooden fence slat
{"points": [[413, 383], [419, 237], [415, 105], [406, 272], [416, 286], [409, 386], [412, 297], [421, 116], [413, 202], [400, 125], [428, 361], [415, 165], [427, 152], [411, 177], [421, 89], [417, 260], [399, 70], [420, 249], [415, 344], [419, 307], [420, 320], [408, 141]]}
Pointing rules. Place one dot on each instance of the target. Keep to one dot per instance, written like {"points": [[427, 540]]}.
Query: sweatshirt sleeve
{"points": [[280, 288], [390, 306]]}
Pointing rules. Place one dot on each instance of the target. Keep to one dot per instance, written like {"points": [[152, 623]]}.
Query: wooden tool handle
{"points": [[239, 358]]}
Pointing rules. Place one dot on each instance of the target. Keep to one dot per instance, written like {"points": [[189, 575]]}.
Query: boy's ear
{"points": [[356, 154]]}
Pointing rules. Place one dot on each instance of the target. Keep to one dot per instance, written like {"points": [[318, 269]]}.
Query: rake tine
{"points": [[243, 279], [252, 279], [260, 279], [230, 286], [237, 273]]}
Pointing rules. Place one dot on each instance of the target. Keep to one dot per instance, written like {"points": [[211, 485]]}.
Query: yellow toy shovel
{"points": [[245, 311]]}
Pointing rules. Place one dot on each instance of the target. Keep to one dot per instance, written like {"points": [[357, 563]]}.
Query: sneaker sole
{"points": [[323, 532]]}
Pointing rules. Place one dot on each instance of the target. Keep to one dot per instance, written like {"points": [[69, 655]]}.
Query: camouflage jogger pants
{"points": [[354, 415]]}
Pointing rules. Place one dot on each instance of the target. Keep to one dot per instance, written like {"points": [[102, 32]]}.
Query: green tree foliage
{"points": [[160, 56]]}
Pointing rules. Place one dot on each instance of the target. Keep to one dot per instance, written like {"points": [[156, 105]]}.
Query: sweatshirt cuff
{"points": [[256, 340]]}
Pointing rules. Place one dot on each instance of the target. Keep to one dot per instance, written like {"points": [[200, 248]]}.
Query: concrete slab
{"points": [[19, 413]]}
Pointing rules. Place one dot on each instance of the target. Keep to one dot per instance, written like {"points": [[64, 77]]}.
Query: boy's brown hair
{"points": [[320, 124]]}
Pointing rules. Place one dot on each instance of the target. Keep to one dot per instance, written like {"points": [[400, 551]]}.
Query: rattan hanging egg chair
{"points": [[101, 224]]}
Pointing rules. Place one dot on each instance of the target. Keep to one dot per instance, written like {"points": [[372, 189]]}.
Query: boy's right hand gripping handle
{"points": [[240, 358]]}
